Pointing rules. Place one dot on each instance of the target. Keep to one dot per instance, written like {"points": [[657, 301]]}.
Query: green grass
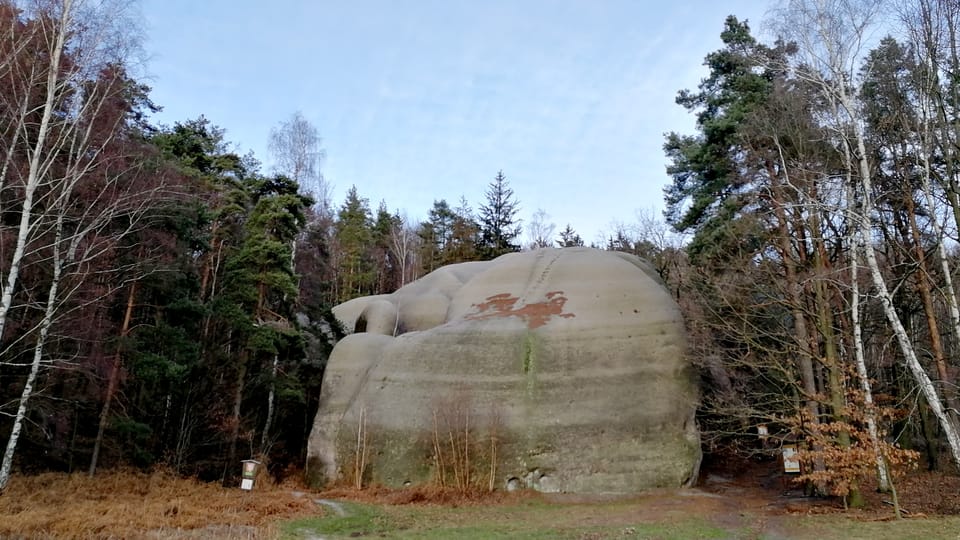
{"points": [[360, 520], [528, 520], [838, 526], [651, 517]]}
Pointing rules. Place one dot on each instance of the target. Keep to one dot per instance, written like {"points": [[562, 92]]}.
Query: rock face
{"points": [[555, 369]]}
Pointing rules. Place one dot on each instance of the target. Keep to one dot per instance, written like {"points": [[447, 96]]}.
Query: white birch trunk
{"points": [[830, 33], [265, 437], [910, 358], [7, 464], [883, 476], [36, 170], [948, 290], [75, 146], [906, 346]]}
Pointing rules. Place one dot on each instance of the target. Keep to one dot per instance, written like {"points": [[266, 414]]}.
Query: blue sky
{"points": [[418, 100]]}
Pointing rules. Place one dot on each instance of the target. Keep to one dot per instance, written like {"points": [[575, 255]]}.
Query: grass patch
{"points": [[527, 519], [660, 516], [549, 521], [692, 530], [360, 520], [851, 528]]}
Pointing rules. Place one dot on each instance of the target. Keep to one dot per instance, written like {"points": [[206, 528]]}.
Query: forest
{"points": [[821, 194], [166, 302]]}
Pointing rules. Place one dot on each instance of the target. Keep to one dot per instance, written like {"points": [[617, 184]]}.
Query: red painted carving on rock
{"points": [[535, 314]]}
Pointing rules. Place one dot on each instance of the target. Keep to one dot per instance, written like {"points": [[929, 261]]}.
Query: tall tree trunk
{"points": [[929, 432], [831, 359], [112, 380], [926, 297], [906, 347], [235, 418], [927, 140], [210, 263], [948, 121], [793, 248], [265, 437], [795, 291], [208, 318], [883, 474], [184, 432]]}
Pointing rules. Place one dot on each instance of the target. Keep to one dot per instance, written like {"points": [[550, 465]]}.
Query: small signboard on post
{"points": [[249, 474], [791, 461]]}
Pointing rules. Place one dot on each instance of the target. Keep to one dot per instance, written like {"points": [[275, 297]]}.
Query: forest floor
{"points": [[736, 500]]}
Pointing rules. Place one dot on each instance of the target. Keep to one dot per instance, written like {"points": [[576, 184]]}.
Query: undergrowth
{"points": [[130, 504]]}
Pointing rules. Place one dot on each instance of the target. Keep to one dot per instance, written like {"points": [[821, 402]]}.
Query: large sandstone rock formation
{"points": [[567, 367]]}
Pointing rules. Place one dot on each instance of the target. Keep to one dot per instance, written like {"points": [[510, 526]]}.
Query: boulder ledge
{"points": [[556, 369]]}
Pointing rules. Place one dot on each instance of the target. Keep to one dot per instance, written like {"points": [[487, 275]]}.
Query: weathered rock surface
{"points": [[567, 367]]}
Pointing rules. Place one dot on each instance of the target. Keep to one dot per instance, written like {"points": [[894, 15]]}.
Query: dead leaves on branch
{"points": [[845, 449]]}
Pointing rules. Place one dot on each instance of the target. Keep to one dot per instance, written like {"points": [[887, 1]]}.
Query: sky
{"points": [[421, 100]]}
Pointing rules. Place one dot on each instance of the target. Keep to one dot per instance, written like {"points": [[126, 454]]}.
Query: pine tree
{"points": [[260, 287], [386, 267], [499, 226], [464, 235], [354, 235], [435, 235], [711, 180], [569, 238]]}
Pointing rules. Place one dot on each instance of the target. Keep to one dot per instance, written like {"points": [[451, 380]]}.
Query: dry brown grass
{"points": [[130, 504], [429, 495]]}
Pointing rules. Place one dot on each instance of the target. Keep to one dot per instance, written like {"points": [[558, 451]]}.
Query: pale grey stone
{"points": [[577, 353]]}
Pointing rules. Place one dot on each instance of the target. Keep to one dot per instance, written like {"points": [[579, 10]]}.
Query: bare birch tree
{"points": [[831, 35], [42, 152], [79, 240], [404, 246], [540, 230], [77, 201], [883, 474], [297, 152], [928, 23]]}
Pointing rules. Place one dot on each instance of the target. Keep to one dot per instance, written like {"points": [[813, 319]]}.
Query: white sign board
{"points": [[246, 483], [791, 462]]}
